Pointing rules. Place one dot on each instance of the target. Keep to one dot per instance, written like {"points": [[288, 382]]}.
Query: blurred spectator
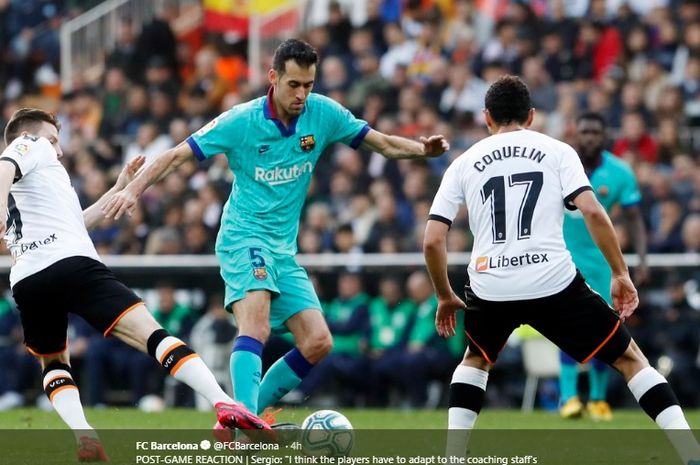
{"points": [[391, 318], [111, 364], [464, 94], [368, 82], [123, 56], [543, 93], [212, 337], [149, 142], [206, 80], [175, 317], [428, 356], [157, 39], [400, 52], [346, 365], [676, 338], [501, 47], [670, 143], [666, 237], [635, 143], [19, 367], [691, 233]]}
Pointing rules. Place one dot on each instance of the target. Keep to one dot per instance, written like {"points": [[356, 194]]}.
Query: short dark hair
{"points": [[591, 116], [508, 100], [294, 49], [27, 119]]}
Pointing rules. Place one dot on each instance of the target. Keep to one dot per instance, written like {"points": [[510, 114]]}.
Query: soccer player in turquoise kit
{"points": [[614, 184], [272, 144]]}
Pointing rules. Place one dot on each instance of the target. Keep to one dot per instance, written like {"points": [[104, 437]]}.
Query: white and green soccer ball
{"points": [[328, 433]]}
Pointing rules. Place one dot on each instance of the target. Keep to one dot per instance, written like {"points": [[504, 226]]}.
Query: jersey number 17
{"points": [[494, 190]]}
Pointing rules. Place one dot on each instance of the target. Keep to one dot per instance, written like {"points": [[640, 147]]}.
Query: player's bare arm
{"points": [[7, 175], [435, 252], [638, 234], [124, 201], [623, 292], [92, 215], [395, 147]]}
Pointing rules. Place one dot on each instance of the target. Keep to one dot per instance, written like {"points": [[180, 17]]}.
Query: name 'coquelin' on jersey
{"points": [[508, 153], [273, 165]]}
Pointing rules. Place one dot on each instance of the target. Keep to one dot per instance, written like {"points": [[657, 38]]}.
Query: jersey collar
{"points": [[271, 114]]}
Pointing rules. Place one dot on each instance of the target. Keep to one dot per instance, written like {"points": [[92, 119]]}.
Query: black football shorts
{"points": [[577, 319], [77, 285]]}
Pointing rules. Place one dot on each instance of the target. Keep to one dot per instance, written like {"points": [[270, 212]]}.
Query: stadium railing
{"points": [[87, 39], [201, 271]]}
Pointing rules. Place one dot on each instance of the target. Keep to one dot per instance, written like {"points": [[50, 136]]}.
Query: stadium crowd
{"points": [[409, 68]]}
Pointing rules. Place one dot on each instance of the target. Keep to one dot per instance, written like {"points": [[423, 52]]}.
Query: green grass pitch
{"points": [[124, 418]]}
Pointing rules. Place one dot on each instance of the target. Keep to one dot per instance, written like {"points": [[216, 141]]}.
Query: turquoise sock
{"points": [[598, 376], [283, 376], [246, 371], [568, 378]]}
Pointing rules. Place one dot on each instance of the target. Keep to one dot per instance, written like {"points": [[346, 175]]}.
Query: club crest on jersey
{"points": [[603, 191], [307, 143], [260, 273], [22, 149]]}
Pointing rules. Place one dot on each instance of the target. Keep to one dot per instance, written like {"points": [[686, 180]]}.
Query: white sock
{"points": [[64, 396], [657, 399], [185, 365], [466, 398]]}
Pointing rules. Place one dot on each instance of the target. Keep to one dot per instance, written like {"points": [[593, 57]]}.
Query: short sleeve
{"points": [[344, 127], [629, 195], [220, 135], [25, 153], [449, 197], [572, 177]]}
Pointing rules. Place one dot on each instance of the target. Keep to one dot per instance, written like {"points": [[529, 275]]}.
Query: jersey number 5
{"points": [[495, 191]]}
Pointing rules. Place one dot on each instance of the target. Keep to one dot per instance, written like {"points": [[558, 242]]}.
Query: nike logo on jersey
{"points": [[264, 148]]}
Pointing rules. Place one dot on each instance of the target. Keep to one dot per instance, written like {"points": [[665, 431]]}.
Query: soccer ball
{"points": [[327, 433], [151, 403]]}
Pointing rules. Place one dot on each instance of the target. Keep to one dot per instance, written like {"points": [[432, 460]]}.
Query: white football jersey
{"points": [[45, 222], [515, 186]]}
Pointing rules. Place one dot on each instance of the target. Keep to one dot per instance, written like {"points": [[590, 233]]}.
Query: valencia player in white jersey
{"points": [[57, 271], [515, 185]]}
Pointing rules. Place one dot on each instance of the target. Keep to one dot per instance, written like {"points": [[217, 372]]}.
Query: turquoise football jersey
{"points": [[273, 165], [613, 183]]}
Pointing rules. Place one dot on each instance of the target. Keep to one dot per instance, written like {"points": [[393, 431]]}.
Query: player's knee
{"points": [[631, 361], [317, 347], [476, 360], [325, 344], [260, 332], [47, 360]]}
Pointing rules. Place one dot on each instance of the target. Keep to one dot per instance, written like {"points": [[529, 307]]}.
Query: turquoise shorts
{"points": [[256, 269]]}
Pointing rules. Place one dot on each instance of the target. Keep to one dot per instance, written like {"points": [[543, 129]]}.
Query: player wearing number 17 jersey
{"points": [[516, 184]]}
